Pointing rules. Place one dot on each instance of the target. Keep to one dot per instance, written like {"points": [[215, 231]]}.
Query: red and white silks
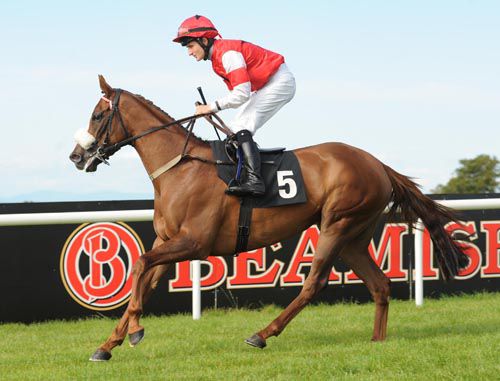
{"points": [[258, 80]]}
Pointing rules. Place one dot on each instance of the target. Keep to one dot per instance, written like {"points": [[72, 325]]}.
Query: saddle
{"points": [[231, 147], [280, 171]]}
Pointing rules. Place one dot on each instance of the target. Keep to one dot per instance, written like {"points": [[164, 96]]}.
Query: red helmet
{"points": [[196, 27]]}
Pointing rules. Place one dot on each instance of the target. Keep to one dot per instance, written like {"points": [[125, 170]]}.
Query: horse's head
{"points": [[98, 142]]}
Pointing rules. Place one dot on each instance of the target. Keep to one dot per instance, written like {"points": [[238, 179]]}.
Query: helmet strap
{"points": [[206, 47]]}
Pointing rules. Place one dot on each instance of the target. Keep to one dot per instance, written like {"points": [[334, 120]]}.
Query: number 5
{"points": [[282, 182]]}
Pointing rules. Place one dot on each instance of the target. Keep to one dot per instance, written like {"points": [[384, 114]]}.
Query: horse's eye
{"points": [[97, 117]]}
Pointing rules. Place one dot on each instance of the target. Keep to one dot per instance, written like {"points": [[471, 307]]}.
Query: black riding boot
{"points": [[251, 184]]}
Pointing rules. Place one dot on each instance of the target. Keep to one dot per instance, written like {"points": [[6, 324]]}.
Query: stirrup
{"points": [[246, 189], [232, 183]]}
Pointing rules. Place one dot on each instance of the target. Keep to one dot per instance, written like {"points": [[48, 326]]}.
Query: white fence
{"points": [[147, 215]]}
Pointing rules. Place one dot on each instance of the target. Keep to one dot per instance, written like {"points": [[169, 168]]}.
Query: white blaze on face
{"points": [[84, 139]]}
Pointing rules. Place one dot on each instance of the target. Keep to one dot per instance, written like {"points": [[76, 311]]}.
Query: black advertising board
{"points": [[78, 270]]}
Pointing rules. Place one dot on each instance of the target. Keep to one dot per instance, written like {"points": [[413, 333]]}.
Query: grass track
{"points": [[454, 338]]}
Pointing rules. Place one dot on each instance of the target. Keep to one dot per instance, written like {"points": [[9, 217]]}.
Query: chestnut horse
{"points": [[347, 191]]}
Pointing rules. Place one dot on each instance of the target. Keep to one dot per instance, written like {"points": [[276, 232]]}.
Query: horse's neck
{"points": [[159, 148]]}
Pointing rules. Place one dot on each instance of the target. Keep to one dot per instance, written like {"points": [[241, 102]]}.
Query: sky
{"points": [[416, 83]]}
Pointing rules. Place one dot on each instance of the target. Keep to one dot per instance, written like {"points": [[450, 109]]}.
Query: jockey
{"points": [[259, 82]]}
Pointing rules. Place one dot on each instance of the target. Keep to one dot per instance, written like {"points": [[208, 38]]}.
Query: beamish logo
{"points": [[96, 264]]}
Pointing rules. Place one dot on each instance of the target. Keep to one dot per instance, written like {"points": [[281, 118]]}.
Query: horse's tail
{"points": [[413, 204]]}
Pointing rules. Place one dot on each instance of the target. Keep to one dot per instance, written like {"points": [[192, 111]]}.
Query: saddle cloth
{"points": [[280, 171]]}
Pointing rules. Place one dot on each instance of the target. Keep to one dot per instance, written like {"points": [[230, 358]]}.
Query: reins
{"points": [[131, 139]]}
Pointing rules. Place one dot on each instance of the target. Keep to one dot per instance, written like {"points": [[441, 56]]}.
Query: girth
{"points": [[244, 222]]}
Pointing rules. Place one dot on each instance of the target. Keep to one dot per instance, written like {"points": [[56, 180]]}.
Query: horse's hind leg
{"points": [[330, 244], [356, 256]]}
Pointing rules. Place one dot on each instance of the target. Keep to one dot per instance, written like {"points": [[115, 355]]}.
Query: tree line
{"points": [[477, 175]]}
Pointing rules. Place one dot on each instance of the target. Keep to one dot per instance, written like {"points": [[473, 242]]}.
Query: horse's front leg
{"points": [[177, 249], [151, 279]]}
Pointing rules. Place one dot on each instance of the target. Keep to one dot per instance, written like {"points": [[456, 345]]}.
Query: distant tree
{"points": [[478, 175]]}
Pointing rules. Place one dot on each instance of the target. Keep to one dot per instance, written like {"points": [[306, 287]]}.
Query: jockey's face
{"points": [[195, 49]]}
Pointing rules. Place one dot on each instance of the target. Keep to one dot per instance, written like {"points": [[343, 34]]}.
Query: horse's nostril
{"points": [[75, 158]]}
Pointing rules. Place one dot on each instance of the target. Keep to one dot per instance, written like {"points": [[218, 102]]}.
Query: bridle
{"points": [[105, 150]]}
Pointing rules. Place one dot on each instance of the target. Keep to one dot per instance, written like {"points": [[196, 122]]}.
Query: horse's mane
{"points": [[165, 114]]}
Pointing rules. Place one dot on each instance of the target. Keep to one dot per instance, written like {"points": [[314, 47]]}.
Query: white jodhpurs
{"points": [[266, 102]]}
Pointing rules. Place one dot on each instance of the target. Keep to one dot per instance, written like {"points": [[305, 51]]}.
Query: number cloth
{"points": [[281, 174]]}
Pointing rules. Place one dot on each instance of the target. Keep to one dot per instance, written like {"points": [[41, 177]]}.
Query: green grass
{"points": [[454, 338]]}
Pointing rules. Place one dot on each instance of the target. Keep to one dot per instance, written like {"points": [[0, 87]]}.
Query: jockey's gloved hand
{"points": [[203, 109]]}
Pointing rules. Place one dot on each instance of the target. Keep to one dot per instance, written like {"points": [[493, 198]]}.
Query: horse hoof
{"points": [[256, 341], [135, 338], [100, 355]]}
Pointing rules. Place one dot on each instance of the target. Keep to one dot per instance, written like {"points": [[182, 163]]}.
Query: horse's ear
{"points": [[106, 89]]}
